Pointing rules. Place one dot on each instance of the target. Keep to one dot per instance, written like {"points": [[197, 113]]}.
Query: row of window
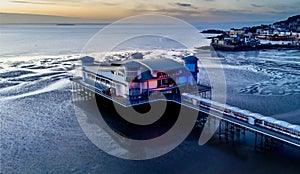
{"points": [[240, 115], [259, 122], [282, 128], [98, 79], [173, 73]]}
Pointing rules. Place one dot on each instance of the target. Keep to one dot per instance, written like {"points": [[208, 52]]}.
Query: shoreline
{"points": [[238, 48], [259, 47]]}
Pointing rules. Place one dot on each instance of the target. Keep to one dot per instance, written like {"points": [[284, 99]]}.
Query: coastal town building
{"points": [[236, 32], [284, 34]]}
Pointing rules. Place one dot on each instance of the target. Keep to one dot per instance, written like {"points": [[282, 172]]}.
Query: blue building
{"points": [[191, 63]]}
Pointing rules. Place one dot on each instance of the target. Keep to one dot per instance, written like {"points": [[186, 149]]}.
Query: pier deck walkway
{"points": [[86, 89]]}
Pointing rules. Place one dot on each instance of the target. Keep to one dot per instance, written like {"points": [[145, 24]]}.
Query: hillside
{"points": [[292, 23]]}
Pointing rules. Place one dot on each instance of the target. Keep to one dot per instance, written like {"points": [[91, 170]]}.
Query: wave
{"points": [[60, 84]]}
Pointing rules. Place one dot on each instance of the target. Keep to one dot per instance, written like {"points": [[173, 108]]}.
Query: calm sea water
{"points": [[28, 40]]}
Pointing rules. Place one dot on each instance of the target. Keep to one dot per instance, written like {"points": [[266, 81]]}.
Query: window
{"points": [[159, 83], [259, 121], [98, 79]]}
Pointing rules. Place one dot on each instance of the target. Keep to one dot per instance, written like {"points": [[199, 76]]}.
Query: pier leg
{"points": [[255, 142], [220, 130], [232, 126], [226, 132], [238, 131]]}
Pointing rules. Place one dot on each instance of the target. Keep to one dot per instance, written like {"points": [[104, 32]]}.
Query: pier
{"points": [[229, 130]]}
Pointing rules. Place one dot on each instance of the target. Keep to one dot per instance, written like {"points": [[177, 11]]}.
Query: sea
{"points": [[40, 132]]}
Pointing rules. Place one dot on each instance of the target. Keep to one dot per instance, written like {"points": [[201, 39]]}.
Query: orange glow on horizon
{"points": [[193, 10]]}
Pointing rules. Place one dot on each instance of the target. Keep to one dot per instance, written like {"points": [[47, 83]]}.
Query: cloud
{"points": [[284, 10], [108, 3], [15, 18], [183, 4], [192, 13], [33, 2], [167, 11], [255, 5], [206, 9], [172, 9], [229, 12], [286, 7], [63, 2], [237, 15]]}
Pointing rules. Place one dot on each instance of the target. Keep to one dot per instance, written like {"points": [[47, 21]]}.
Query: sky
{"points": [[29, 11]]}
